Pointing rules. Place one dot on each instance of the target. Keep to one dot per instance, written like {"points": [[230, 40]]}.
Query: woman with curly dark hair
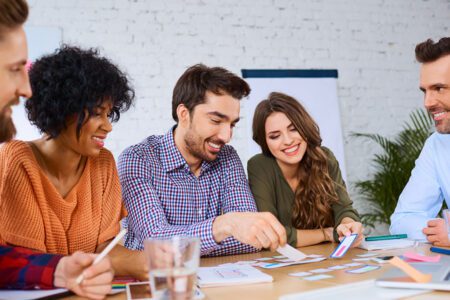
{"points": [[297, 179], [62, 190]]}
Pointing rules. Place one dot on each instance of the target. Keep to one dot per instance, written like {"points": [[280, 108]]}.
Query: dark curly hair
{"points": [[71, 82]]}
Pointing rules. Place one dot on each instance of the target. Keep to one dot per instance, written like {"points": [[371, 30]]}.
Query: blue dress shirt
{"points": [[428, 186]]}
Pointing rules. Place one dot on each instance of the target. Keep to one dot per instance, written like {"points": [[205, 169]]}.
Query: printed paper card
{"points": [[300, 274], [365, 269], [291, 253], [285, 264], [317, 277], [344, 246]]}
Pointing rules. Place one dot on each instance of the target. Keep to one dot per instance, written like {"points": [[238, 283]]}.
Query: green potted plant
{"points": [[392, 167]]}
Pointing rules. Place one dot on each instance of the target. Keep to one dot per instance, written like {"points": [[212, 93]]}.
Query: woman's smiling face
{"points": [[92, 134], [283, 140]]}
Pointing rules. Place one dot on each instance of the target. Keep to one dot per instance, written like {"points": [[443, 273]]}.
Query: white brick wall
{"points": [[370, 42]]}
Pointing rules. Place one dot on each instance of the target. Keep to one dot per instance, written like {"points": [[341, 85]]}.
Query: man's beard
{"points": [[194, 145], [7, 128]]}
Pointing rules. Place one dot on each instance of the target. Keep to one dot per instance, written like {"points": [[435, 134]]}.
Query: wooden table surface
{"points": [[284, 284]]}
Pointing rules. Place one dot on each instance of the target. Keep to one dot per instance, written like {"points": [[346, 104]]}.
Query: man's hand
{"points": [[349, 226], [97, 278], [437, 233], [260, 230]]}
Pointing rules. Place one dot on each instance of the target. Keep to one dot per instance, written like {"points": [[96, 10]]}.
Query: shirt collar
{"points": [[171, 157]]}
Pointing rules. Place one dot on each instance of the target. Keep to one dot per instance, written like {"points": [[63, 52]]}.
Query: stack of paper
{"points": [[387, 244], [230, 275]]}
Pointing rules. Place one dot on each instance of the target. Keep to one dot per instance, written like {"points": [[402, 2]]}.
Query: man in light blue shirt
{"points": [[429, 184]]}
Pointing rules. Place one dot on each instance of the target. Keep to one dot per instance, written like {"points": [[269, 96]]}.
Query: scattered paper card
{"points": [[279, 256], [344, 246], [291, 253], [338, 267], [362, 259], [321, 270], [264, 258], [274, 265], [368, 254], [300, 274], [279, 264], [317, 277], [355, 264], [365, 269], [314, 255]]}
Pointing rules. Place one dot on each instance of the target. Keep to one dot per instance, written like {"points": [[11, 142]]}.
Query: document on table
{"points": [[366, 290], [230, 275], [387, 244], [29, 294]]}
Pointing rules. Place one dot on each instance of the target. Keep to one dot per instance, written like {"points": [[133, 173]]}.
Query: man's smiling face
{"points": [[435, 84]]}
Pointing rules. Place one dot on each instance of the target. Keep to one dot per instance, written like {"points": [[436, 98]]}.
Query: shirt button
{"points": [[199, 211]]}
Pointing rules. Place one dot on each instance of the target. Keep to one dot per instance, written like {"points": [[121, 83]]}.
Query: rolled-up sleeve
{"points": [[421, 199]]}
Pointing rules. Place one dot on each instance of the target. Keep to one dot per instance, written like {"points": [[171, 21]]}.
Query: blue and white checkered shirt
{"points": [[164, 198]]}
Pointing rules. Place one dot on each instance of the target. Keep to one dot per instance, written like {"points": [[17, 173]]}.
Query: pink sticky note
{"points": [[420, 257]]}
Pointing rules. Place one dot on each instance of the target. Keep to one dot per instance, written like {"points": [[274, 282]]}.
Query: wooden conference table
{"points": [[284, 284]]}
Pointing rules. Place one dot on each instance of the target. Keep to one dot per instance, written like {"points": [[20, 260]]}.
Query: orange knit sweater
{"points": [[34, 215]]}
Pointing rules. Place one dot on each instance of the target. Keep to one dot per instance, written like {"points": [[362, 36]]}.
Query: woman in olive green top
{"points": [[297, 179]]}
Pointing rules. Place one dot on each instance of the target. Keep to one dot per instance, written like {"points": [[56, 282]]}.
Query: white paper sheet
{"points": [[366, 290], [291, 253], [29, 294]]}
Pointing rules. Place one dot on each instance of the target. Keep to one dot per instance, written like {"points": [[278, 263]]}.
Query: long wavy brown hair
{"points": [[315, 193]]}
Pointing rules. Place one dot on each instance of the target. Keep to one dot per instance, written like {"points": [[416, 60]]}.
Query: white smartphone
{"points": [[141, 291]]}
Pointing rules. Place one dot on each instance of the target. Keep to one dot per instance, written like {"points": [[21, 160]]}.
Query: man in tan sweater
{"points": [[22, 268]]}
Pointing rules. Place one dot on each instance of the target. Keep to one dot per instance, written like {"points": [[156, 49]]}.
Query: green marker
{"points": [[386, 237]]}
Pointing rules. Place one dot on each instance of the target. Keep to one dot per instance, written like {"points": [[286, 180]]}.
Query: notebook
{"points": [[230, 275], [387, 244]]}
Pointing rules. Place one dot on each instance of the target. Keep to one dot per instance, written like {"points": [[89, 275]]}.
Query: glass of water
{"points": [[173, 264]]}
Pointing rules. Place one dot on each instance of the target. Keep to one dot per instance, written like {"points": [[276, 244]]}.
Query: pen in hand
{"points": [[104, 252]]}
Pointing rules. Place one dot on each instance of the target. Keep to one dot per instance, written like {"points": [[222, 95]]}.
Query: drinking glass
{"points": [[173, 264]]}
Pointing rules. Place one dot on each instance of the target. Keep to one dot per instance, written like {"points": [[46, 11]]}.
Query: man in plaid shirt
{"points": [[188, 181], [24, 268]]}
